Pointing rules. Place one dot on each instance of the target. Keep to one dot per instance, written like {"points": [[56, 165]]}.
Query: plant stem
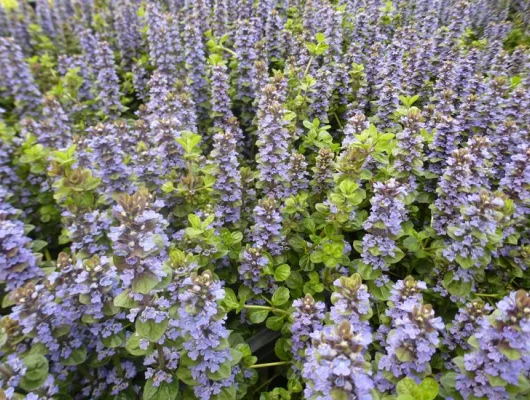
{"points": [[264, 384], [47, 255], [161, 357], [487, 295], [305, 74], [272, 364], [117, 364], [5, 372], [338, 121], [277, 310], [229, 51]]}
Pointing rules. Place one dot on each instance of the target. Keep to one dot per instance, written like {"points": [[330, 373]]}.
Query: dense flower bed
{"points": [[273, 199]]}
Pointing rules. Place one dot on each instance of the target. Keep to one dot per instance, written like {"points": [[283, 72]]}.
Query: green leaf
{"points": [[281, 348], [339, 394], [295, 280], [236, 237], [449, 380], [398, 256], [282, 273], [168, 187], [124, 300], [236, 356], [3, 337], [195, 221], [408, 387], [381, 293], [316, 257], [184, 374], [257, 316], [113, 341], [223, 372], [7, 301], [230, 300], [404, 355], [512, 354], [144, 283], [459, 361], [456, 287], [465, 262], [77, 357], [150, 329], [294, 385], [429, 389], [227, 393], [280, 296], [36, 372], [367, 272], [165, 391], [305, 263], [38, 245], [496, 381], [411, 244], [275, 323], [473, 342], [133, 346]]}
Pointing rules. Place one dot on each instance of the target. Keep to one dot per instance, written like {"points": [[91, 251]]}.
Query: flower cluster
{"points": [[221, 199], [273, 142], [478, 231], [202, 325], [351, 301], [500, 351], [18, 263], [413, 342], [107, 158], [335, 364], [308, 318], [17, 79], [466, 322], [266, 232], [139, 241], [228, 178], [384, 225]]}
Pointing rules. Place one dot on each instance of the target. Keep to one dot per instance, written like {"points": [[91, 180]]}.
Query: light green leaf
{"points": [[227, 393], [77, 357], [275, 323], [150, 329], [124, 300], [144, 283], [230, 300], [257, 316], [496, 381], [113, 341], [367, 272], [165, 391], [282, 273], [184, 374], [407, 386], [404, 355], [133, 345], [429, 389], [223, 372], [36, 372], [280, 296], [236, 356], [512, 354]]}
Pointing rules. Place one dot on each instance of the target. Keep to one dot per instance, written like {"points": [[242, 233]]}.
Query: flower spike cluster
{"points": [[335, 364]]}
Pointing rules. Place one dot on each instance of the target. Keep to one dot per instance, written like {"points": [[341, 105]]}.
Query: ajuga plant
{"points": [[264, 199]]}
